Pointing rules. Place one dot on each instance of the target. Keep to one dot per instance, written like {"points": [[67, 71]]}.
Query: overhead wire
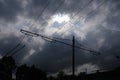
{"points": [[48, 2], [62, 39], [13, 53], [81, 45], [96, 53], [41, 14], [86, 16], [72, 17], [60, 4], [84, 46], [51, 39], [85, 6], [66, 31], [95, 9], [55, 11], [14, 48], [17, 48]]}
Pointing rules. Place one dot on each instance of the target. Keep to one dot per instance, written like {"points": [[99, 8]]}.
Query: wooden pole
{"points": [[73, 59]]}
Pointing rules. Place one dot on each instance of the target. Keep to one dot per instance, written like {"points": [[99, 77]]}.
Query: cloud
{"points": [[10, 9], [94, 27]]}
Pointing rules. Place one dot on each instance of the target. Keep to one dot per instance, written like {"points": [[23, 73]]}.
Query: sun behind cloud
{"points": [[60, 18]]}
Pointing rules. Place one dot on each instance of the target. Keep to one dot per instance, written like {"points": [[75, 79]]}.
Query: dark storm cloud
{"points": [[34, 8], [52, 7], [8, 43], [9, 9], [54, 56], [109, 49], [113, 19], [44, 9], [110, 34]]}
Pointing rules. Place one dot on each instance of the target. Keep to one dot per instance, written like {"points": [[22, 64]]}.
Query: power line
{"points": [[12, 54], [85, 6], [46, 8], [81, 45], [85, 45], [41, 12], [95, 8], [45, 38], [61, 3], [85, 16], [32, 33], [72, 45], [14, 48], [62, 39]]}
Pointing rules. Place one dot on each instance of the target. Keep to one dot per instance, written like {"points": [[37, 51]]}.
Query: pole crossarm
{"points": [[33, 34]]}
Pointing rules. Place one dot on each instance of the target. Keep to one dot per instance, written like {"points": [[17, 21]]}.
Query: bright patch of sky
{"points": [[60, 18], [56, 23], [31, 52], [88, 68]]}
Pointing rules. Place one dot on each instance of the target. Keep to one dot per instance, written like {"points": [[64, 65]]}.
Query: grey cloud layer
{"points": [[54, 56], [10, 9]]}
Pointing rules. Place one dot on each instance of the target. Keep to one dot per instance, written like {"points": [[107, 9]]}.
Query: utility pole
{"points": [[73, 59], [72, 45]]}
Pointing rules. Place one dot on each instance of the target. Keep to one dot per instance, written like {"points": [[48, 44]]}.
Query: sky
{"points": [[94, 23]]}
